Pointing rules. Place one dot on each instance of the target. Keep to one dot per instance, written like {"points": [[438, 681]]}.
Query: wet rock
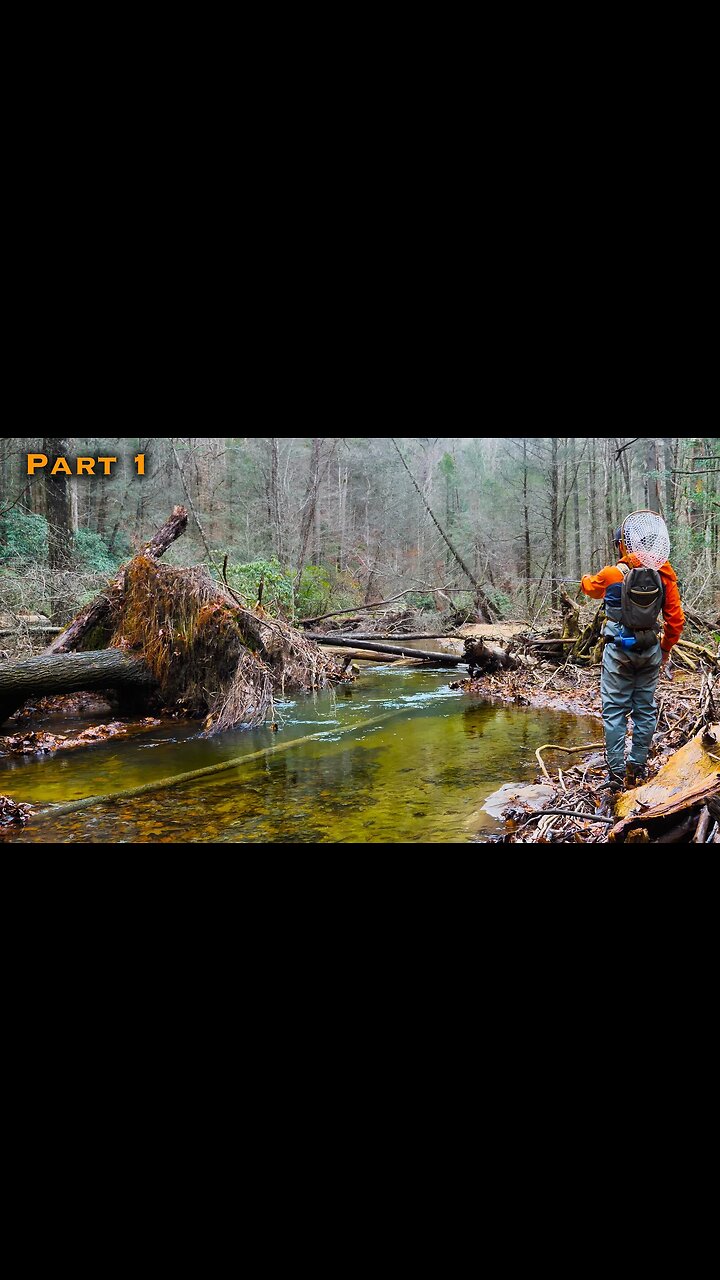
{"points": [[532, 796]]}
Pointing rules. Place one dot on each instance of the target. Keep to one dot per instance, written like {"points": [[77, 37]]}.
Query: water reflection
{"points": [[420, 775]]}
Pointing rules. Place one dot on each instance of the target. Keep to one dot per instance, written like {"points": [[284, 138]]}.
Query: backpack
{"points": [[642, 597]]}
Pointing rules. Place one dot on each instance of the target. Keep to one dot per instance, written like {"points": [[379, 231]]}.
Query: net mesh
{"points": [[645, 535]]}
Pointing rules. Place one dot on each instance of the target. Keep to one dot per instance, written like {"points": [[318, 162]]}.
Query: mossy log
{"points": [[96, 613], [69, 672]]}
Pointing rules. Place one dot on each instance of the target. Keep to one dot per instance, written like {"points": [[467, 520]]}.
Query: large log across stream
{"points": [[69, 672], [397, 650], [478, 654]]}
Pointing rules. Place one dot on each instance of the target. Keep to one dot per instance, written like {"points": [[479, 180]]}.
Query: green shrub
{"points": [[23, 537], [314, 593], [319, 590], [277, 584], [91, 555], [420, 600], [500, 599]]}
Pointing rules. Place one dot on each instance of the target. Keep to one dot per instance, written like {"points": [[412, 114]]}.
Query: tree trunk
{"points": [[68, 672], [308, 517], [697, 509], [652, 493], [607, 468], [592, 504], [275, 522], [565, 495], [59, 517], [576, 509], [625, 470], [669, 485], [483, 604], [554, 532], [526, 516], [477, 652], [397, 650], [97, 611]]}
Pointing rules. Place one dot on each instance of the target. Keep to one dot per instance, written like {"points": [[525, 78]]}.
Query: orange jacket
{"points": [[595, 585]]}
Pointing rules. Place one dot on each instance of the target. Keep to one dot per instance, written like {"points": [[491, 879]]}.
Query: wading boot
{"points": [[613, 783], [634, 775], [609, 789]]}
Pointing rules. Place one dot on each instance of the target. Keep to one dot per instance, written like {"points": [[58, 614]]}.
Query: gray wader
{"points": [[627, 685]]}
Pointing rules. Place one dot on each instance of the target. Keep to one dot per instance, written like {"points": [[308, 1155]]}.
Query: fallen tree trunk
{"points": [[97, 612], [21, 631], [357, 655], [398, 650], [69, 672], [482, 656], [210, 656], [478, 655], [689, 780]]}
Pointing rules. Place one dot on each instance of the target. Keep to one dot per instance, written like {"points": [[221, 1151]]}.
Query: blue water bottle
{"points": [[623, 640]]}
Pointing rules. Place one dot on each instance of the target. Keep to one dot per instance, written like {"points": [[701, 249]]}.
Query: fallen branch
{"points": [[358, 655], [703, 826], [566, 813], [358, 608], [547, 746]]}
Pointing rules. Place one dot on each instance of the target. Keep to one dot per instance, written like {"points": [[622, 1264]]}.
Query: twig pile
{"points": [[577, 812]]}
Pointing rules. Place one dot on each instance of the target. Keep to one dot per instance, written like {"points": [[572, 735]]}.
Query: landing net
{"points": [[645, 535]]}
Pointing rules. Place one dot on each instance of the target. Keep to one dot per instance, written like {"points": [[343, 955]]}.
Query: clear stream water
{"points": [[419, 776]]}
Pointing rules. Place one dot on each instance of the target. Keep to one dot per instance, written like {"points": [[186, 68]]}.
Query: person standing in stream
{"points": [[632, 663]]}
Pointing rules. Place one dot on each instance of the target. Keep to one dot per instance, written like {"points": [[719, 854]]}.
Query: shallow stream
{"points": [[418, 775]]}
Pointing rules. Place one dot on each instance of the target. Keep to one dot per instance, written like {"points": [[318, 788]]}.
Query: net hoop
{"points": [[646, 536]]}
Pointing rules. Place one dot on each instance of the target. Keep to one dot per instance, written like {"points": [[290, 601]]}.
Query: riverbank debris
{"points": [[206, 654], [12, 815], [41, 742], [684, 793], [680, 799]]}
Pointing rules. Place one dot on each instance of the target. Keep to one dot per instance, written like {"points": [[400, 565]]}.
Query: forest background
{"points": [[488, 528]]}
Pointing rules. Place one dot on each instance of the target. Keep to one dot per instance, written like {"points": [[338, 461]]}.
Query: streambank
{"points": [[677, 796]]}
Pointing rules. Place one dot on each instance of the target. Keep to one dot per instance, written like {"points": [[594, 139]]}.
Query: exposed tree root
{"points": [[209, 656]]}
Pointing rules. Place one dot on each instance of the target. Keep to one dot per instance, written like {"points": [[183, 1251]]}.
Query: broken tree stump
{"points": [[96, 613], [570, 616], [482, 656]]}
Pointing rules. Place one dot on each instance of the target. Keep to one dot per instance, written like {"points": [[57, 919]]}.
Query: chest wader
{"points": [[627, 686]]}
